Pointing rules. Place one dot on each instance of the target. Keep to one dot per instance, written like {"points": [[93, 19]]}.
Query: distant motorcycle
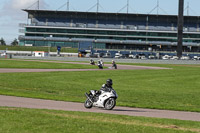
{"points": [[100, 65], [114, 66], [106, 100], [92, 62]]}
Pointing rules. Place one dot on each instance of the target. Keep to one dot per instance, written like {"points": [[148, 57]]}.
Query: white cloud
{"points": [[11, 15], [13, 8], [21, 4]]}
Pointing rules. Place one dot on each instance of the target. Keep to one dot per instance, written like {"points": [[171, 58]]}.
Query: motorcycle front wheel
{"points": [[88, 104], [110, 104]]}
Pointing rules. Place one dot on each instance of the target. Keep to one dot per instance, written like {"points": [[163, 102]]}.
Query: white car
{"points": [[3, 54], [132, 56], [166, 57], [152, 57], [185, 58], [143, 57], [118, 55], [196, 58], [174, 58]]}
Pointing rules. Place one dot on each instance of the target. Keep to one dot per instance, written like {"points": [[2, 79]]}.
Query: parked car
{"points": [[174, 58], [142, 57], [151, 57], [107, 55], [166, 57], [95, 55], [196, 58], [3, 54], [132, 56], [185, 58], [118, 55]]}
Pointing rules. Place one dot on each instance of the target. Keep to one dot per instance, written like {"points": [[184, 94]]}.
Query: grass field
{"points": [[174, 89], [21, 120], [4, 63], [25, 48]]}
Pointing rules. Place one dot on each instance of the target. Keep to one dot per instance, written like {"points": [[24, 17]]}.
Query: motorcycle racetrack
{"points": [[119, 67], [12, 101]]}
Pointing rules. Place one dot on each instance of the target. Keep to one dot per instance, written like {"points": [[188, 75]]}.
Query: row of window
{"points": [[49, 43], [62, 44], [101, 32], [117, 38]]}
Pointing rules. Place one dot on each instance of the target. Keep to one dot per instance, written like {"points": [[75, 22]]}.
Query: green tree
{"points": [[15, 42], [2, 42]]}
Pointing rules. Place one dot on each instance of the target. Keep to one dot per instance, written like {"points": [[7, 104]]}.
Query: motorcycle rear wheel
{"points": [[110, 104], [88, 104]]}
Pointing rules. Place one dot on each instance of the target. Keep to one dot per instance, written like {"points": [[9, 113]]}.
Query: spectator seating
{"points": [[112, 24]]}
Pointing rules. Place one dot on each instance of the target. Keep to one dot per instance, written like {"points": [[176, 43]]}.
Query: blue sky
{"points": [[11, 14]]}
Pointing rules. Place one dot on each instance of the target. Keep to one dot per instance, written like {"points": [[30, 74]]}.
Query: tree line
{"points": [[14, 42]]}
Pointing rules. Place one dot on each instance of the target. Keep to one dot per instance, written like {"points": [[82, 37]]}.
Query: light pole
{"points": [[180, 29]]}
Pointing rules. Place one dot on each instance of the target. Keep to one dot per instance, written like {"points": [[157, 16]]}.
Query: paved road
{"points": [[11, 101]]}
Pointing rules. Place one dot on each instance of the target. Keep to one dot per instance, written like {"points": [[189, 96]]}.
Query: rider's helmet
{"points": [[109, 82]]}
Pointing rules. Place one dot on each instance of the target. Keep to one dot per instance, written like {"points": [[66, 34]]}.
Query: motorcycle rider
{"points": [[100, 65], [105, 97], [102, 62], [108, 86], [114, 65], [92, 62], [105, 87]]}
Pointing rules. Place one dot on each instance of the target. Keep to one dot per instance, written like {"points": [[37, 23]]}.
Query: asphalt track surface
{"points": [[11, 101]]}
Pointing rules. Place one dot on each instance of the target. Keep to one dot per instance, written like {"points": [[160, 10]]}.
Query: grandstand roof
{"points": [[112, 16], [56, 12]]}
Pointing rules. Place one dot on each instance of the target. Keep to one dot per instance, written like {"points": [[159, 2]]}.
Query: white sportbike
{"points": [[106, 100]]}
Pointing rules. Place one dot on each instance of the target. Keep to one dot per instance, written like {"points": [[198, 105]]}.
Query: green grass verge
{"points": [[46, 49], [21, 120], [173, 89], [40, 64]]}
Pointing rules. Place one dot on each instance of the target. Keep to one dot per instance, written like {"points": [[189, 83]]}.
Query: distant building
{"points": [[110, 30], [40, 54]]}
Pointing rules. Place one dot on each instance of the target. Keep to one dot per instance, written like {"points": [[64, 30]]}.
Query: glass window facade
{"points": [[120, 30]]}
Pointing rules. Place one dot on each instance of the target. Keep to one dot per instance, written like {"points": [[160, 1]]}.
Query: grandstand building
{"points": [[110, 30]]}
